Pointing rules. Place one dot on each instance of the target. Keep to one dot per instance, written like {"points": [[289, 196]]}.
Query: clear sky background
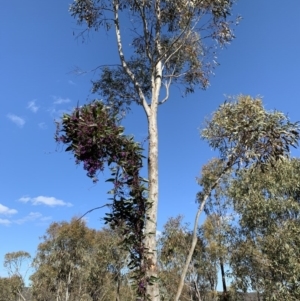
{"points": [[40, 182]]}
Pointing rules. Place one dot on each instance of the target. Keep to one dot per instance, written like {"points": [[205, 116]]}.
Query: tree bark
{"points": [[151, 223], [197, 291], [67, 287], [223, 279]]}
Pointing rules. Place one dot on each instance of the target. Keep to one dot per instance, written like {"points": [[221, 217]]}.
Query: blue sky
{"points": [[40, 182]]}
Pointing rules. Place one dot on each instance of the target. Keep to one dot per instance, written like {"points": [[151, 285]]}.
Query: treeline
{"points": [[250, 241]]}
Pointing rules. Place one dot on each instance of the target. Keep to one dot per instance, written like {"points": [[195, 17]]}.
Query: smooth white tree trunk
{"points": [[151, 223]]}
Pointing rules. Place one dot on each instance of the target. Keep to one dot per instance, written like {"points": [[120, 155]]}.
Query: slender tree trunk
{"points": [[67, 287], [197, 291], [21, 295], [191, 251], [223, 279], [151, 223], [194, 236], [151, 112], [257, 290], [118, 286]]}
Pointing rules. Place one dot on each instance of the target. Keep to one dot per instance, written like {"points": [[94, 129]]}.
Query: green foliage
{"points": [[174, 243], [81, 263], [245, 133], [216, 231], [266, 256], [202, 277], [10, 288], [262, 249], [94, 136], [60, 258], [256, 178], [6, 293]]}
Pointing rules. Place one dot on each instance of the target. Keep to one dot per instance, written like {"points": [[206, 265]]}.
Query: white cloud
{"points": [[24, 199], [46, 218], [16, 119], [71, 82], [45, 200], [42, 125], [58, 113], [60, 100], [4, 222], [32, 106], [32, 216], [6, 211]]}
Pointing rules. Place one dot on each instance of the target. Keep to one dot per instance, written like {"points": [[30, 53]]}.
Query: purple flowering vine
{"points": [[96, 139]]}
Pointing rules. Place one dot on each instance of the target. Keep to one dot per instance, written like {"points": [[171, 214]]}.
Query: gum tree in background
{"points": [[246, 136], [17, 265], [265, 256], [171, 42], [74, 262]]}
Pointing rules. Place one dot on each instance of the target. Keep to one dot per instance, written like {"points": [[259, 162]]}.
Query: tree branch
{"points": [[78, 71], [158, 29], [177, 39], [21, 295], [96, 208], [167, 86], [123, 61], [145, 28]]}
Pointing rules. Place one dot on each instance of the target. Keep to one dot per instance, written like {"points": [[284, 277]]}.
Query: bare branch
{"points": [[96, 208], [78, 71], [175, 76], [167, 86]]}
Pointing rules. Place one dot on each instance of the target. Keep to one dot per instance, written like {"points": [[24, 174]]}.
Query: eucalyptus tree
{"points": [[107, 268], [61, 260], [17, 265], [74, 262], [172, 42], [266, 254], [246, 136]]}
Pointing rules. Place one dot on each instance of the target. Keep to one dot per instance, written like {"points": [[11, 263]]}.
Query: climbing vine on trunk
{"points": [[96, 139]]}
